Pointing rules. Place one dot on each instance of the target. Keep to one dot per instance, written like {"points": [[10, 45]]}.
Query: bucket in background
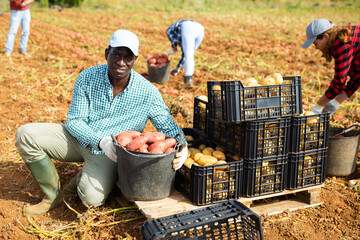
{"points": [[342, 152], [145, 176], [159, 74]]}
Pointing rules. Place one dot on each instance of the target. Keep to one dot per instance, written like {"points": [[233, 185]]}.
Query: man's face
{"points": [[120, 62]]}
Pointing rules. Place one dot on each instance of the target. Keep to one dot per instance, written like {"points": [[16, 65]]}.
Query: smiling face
{"points": [[120, 62]]}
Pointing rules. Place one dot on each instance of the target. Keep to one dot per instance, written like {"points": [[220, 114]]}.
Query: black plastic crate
{"points": [[210, 184], [253, 139], [201, 115], [309, 132], [307, 168], [229, 220], [230, 101], [195, 133], [264, 176]]}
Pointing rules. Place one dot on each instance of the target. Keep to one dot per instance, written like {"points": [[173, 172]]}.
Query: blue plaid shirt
{"points": [[94, 113], [174, 34]]}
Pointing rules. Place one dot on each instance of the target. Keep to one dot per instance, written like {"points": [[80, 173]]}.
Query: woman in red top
{"points": [[341, 43], [19, 14]]}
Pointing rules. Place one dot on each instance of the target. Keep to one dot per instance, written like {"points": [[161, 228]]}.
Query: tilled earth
{"points": [[62, 44]]}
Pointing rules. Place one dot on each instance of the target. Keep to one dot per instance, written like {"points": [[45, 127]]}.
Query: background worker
{"points": [[107, 99], [188, 35], [19, 14], [341, 43]]}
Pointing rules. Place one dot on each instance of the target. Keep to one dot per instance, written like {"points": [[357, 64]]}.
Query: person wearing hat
{"points": [[19, 14], [341, 43], [107, 99], [187, 34]]}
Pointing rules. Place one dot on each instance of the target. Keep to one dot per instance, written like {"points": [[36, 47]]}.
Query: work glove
{"points": [[170, 52], [180, 157], [317, 109], [332, 106], [107, 145], [175, 71]]}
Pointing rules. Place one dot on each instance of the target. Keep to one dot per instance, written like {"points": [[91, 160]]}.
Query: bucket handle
{"points": [[354, 126]]}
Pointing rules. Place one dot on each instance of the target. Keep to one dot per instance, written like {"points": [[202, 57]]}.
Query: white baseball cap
{"points": [[125, 38], [315, 28]]}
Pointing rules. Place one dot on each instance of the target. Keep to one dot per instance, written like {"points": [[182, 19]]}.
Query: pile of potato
{"points": [[273, 79], [147, 142], [157, 60]]}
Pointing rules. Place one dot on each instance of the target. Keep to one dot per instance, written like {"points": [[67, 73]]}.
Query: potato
{"points": [[170, 142], [154, 136], [144, 148], [207, 160], [208, 151], [221, 149], [252, 84], [249, 80], [202, 147], [197, 156], [268, 80], [219, 155], [227, 168], [188, 162], [278, 78], [311, 120], [158, 145], [189, 137], [217, 87], [193, 151], [169, 150], [124, 139], [236, 157], [136, 143]]}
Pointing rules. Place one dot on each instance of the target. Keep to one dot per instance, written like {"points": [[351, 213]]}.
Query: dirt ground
{"points": [[38, 89]]}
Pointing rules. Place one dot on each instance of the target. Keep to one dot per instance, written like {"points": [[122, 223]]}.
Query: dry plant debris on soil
{"points": [[236, 45]]}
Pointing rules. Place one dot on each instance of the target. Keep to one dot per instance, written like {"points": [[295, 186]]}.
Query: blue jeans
{"points": [[192, 34], [17, 17]]}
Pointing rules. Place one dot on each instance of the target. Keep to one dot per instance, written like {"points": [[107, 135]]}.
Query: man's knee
{"points": [[91, 196], [23, 134]]}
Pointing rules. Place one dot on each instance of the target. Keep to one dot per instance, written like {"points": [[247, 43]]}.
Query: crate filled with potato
{"points": [[201, 114], [209, 174], [264, 176], [253, 139], [309, 131], [227, 220], [306, 169], [271, 97]]}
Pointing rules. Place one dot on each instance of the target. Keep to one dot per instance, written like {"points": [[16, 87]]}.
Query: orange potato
{"points": [[156, 150], [158, 144], [136, 143], [124, 139], [169, 150], [144, 148], [154, 136], [170, 142]]}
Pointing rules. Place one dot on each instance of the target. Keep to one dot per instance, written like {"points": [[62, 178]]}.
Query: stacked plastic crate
{"points": [[308, 150], [212, 183], [254, 123]]}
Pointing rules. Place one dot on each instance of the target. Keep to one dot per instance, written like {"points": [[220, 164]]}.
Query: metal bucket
{"points": [[342, 152], [159, 74], [145, 176]]}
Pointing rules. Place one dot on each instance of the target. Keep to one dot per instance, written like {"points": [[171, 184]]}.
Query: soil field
{"points": [[237, 45]]}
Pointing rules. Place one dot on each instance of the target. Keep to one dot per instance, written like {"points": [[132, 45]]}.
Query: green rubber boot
{"points": [[70, 190], [45, 173]]}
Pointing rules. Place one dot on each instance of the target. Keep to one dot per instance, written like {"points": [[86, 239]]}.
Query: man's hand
{"points": [[180, 157], [317, 109], [107, 145], [332, 106]]}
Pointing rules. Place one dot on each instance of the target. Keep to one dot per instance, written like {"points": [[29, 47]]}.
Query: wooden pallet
{"points": [[177, 203]]}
